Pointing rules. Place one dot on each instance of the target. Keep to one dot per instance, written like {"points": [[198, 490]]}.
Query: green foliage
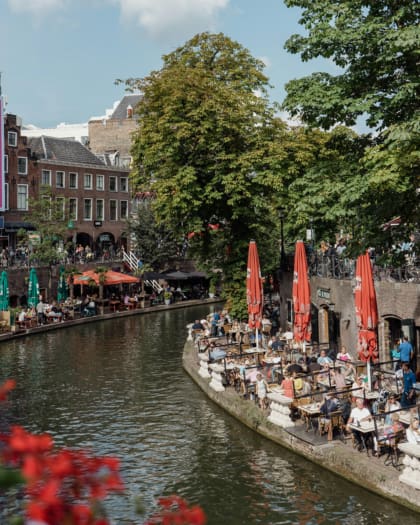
{"points": [[46, 215], [156, 243], [208, 144], [9, 478], [375, 45]]}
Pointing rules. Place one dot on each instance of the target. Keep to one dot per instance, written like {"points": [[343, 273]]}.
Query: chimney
{"points": [[129, 111]]}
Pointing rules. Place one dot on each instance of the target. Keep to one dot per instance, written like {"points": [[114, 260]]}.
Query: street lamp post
{"points": [[282, 252]]}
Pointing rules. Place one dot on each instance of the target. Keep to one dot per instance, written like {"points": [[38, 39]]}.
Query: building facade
{"points": [[95, 196]]}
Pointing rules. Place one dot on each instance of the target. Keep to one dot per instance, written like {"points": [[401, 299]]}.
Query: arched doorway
{"points": [[84, 239], [105, 245]]}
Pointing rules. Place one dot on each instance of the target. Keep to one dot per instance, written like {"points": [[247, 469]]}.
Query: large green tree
{"points": [[206, 145], [375, 43]]}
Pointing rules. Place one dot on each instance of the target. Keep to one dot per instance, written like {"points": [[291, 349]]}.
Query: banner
{"points": [[2, 173]]}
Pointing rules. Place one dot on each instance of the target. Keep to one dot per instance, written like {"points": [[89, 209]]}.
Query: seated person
{"points": [[55, 312], [197, 325], [359, 388], [339, 379], [330, 404], [389, 435], [413, 433], [390, 405], [323, 359], [349, 372], [343, 355], [287, 386], [90, 307], [358, 415], [22, 317]]}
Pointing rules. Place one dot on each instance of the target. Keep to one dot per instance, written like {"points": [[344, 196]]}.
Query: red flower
{"points": [[6, 387]]}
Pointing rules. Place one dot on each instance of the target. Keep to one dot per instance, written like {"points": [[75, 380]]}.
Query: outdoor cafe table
{"points": [[366, 429], [309, 412]]}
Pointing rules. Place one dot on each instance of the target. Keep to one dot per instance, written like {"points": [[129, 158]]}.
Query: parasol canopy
{"points": [[254, 289], [62, 290], [33, 288], [366, 310], [4, 291], [301, 296], [110, 278]]}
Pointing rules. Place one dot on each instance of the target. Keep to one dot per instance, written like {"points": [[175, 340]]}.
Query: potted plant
{"points": [[167, 296]]}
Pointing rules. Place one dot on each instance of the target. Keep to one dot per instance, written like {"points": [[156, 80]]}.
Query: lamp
{"points": [[282, 252]]}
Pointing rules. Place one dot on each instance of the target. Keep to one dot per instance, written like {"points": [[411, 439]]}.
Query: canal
{"points": [[118, 388]]}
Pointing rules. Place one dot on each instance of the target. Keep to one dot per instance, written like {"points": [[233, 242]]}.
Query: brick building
{"points": [[95, 195], [110, 136]]}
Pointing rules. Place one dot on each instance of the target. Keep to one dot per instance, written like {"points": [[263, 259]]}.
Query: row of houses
{"points": [[88, 175]]}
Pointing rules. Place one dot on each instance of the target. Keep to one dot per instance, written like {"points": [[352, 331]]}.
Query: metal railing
{"points": [[335, 267]]}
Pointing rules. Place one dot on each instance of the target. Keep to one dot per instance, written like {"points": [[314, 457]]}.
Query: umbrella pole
{"points": [[369, 374], [256, 334]]}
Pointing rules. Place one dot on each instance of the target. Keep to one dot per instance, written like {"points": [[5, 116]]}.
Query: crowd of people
{"points": [[256, 364]]}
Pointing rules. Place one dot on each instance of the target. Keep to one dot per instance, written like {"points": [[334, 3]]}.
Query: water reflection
{"points": [[118, 388]]}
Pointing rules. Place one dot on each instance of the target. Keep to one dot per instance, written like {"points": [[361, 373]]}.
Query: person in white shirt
{"points": [[358, 415]]}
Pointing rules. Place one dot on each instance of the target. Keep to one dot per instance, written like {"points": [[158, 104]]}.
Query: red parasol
{"points": [[301, 296], [254, 291], [111, 277], [366, 310]]}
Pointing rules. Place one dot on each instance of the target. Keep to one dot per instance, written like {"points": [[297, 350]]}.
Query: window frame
{"points": [[116, 210], [100, 218], [49, 176], [86, 187], [25, 172], [27, 197], [100, 177], [76, 178], [126, 214], [76, 201], [6, 163], [87, 199], [63, 200], [113, 178], [64, 179], [15, 141], [125, 179]]}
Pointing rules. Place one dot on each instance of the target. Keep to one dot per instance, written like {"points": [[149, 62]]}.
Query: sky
{"points": [[59, 59]]}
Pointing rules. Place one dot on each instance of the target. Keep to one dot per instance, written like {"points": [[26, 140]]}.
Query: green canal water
{"points": [[118, 388]]}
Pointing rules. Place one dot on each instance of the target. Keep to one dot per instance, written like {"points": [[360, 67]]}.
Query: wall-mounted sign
{"points": [[324, 293], [97, 224]]}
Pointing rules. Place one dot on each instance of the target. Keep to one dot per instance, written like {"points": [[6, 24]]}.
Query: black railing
{"points": [[335, 267]]}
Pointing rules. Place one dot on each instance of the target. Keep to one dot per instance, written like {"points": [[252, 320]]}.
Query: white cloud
{"points": [[35, 6], [174, 16], [266, 60]]}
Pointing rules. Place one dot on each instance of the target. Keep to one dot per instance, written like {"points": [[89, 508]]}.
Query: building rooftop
{"points": [[63, 150], [120, 112]]}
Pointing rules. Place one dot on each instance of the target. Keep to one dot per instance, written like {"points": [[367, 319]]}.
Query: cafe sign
{"points": [[324, 293]]}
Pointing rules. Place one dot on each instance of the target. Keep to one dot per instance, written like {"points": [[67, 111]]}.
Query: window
{"points": [[123, 184], [6, 195], [100, 210], [123, 209], [73, 209], [113, 210], [60, 179], [22, 165], [113, 183], [12, 138], [6, 164], [100, 182], [22, 197], [73, 181], [87, 209], [46, 206], [46, 177], [61, 207], [289, 311], [87, 181]]}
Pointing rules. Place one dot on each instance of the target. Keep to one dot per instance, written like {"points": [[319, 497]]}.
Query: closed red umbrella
{"points": [[254, 289], [366, 310], [302, 330]]}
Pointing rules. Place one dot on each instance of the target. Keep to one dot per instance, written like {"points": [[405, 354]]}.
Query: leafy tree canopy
{"points": [[375, 43], [207, 146]]}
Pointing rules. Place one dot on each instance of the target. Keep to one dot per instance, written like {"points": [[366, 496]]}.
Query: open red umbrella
{"points": [[366, 310], [301, 296], [111, 277], [254, 290]]}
